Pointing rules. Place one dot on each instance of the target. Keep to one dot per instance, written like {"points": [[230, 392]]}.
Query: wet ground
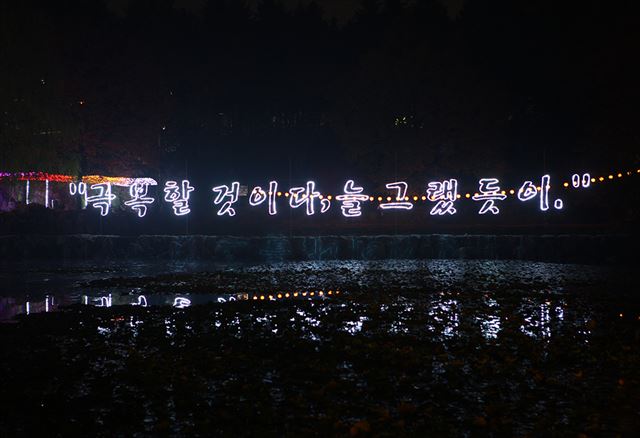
{"points": [[326, 348]]}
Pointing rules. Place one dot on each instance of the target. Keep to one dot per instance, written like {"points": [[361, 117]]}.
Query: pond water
{"points": [[343, 348]]}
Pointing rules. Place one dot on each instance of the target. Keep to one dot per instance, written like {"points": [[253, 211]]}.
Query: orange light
{"points": [[388, 198], [279, 296], [330, 293], [329, 197], [538, 188], [593, 180], [279, 193], [512, 191], [321, 293], [262, 297], [255, 297], [287, 295], [321, 197], [295, 294], [619, 175], [424, 198], [406, 198], [610, 176], [458, 196], [380, 198], [601, 178], [503, 192], [270, 297], [565, 184], [620, 315], [286, 194], [371, 198], [312, 293], [415, 198], [467, 195]]}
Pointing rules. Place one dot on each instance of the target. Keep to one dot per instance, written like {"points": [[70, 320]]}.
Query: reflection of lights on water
{"points": [[490, 325], [181, 302], [142, 301], [353, 327], [104, 301], [539, 322], [445, 315]]}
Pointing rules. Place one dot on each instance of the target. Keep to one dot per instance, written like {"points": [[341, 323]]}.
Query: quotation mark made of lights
{"points": [[581, 181], [78, 188]]}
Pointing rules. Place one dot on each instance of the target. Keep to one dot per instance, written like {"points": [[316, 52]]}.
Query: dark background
{"points": [[218, 91]]}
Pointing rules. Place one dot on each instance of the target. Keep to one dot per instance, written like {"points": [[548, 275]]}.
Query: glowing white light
{"points": [[104, 301], [46, 303], [27, 194], [178, 196], [351, 199], [527, 191], [401, 188], [27, 307], [575, 180], [181, 302], [142, 301], [139, 199], [46, 193], [231, 195], [325, 205], [258, 196], [586, 180], [102, 200], [445, 193], [489, 193], [78, 188], [305, 196], [221, 300]]}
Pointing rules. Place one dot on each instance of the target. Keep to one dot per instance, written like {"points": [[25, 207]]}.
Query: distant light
{"points": [[610, 176], [512, 191], [566, 184], [619, 175], [468, 195], [415, 198]]}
